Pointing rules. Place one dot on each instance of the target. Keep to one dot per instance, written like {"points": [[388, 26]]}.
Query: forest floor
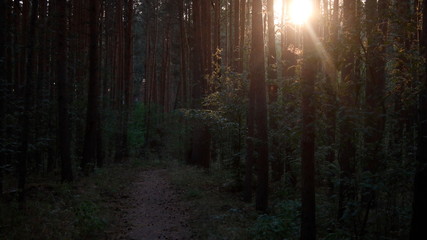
{"points": [[169, 200], [153, 209], [143, 199]]}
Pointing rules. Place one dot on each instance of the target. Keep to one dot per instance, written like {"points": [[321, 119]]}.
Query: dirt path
{"points": [[153, 210]]}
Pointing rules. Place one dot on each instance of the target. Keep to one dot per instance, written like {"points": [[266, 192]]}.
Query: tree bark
{"points": [[236, 34], [419, 205], [28, 87], [308, 79], [375, 90], [3, 39], [92, 114], [277, 163], [64, 135], [347, 150], [259, 111]]}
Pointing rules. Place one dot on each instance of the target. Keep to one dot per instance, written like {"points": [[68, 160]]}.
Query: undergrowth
{"points": [[219, 212], [216, 212], [81, 210]]}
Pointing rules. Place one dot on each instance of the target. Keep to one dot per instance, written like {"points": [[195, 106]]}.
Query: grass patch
{"points": [[216, 212], [81, 210]]}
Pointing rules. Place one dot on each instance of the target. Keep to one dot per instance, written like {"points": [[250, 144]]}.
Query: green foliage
{"points": [[284, 223], [218, 214], [87, 219], [53, 211], [109, 130], [137, 127]]}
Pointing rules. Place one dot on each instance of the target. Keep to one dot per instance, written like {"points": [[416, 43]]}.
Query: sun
{"points": [[300, 11], [297, 12]]}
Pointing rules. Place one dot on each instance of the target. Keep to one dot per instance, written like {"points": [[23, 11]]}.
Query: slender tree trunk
{"points": [[197, 74], [277, 163], [183, 93], [64, 135], [3, 39], [419, 205], [128, 77], [375, 90], [250, 160], [200, 153], [28, 87], [236, 34], [331, 100], [271, 33], [242, 35], [92, 115], [206, 21], [257, 82], [347, 150], [309, 71], [229, 33]]}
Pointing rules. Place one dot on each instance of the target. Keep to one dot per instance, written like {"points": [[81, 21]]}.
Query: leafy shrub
{"points": [[87, 218], [137, 127], [284, 224]]}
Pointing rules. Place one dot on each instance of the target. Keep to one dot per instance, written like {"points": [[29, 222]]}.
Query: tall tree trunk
{"points": [[347, 150], [3, 39], [206, 40], [200, 153], [236, 34], [419, 205], [128, 77], [277, 163], [64, 135], [92, 114], [183, 87], [375, 90], [271, 70], [308, 79], [28, 87], [330, 68], [257, 82], [250, 159], [242, 35]]}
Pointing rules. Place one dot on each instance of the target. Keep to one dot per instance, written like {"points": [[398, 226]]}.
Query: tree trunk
{"points": [[308, 79], [89, 148], [259, 111], [277, 163], [347, 150], [331, 94], [200, 153], [236, 34], [419, 205], [3, 39], [375, 90], [242, 35], [28, 87], [64, 135], [182, 91]]}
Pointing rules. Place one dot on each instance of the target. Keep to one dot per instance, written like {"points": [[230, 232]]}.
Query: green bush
{"points": [[282, 224], [137, 127], [87, 218]]}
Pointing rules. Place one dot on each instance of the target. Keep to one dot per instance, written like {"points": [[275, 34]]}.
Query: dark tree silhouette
{"points": [[92, 115], [259, 109], [63, 92], [419, 205], [308, 79]]}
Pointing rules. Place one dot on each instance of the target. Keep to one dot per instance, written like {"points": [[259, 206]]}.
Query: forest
{"points": [[213, 119]]}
